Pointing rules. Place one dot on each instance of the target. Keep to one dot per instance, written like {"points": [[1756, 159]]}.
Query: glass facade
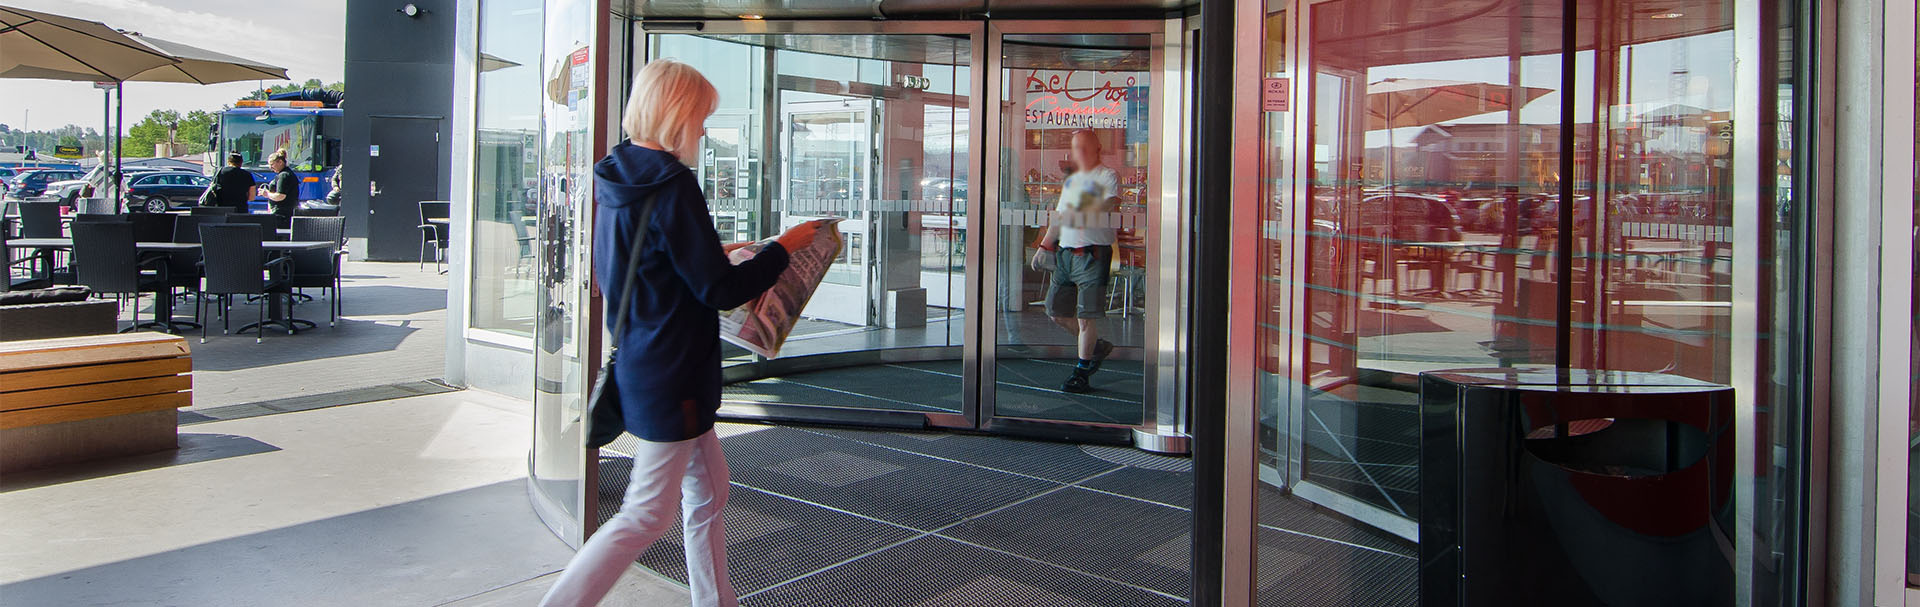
{"points": [[1499, 189], [564, 322], [1467, 185], [506, 166]]}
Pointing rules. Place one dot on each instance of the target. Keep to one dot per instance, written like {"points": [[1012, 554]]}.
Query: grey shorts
{"points": [[1079, 285]]}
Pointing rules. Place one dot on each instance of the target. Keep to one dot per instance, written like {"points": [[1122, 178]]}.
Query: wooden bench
{"points": [[70, 399]]}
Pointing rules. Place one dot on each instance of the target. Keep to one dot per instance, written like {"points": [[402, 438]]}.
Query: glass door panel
{"points": [[873, 129], [1059, 92], [829, 150]]}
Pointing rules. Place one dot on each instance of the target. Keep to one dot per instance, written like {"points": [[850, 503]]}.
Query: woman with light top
{"points": [[1079, 239], [668, 367]]}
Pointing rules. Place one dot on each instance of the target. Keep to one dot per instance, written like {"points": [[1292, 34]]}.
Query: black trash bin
{"points": [[1575, 489]]}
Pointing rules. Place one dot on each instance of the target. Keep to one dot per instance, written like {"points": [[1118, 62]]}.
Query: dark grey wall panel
{"points": [[396, 66]]}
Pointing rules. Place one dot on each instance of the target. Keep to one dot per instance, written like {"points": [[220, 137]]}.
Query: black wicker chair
{"points": [[320, 268], [40, 220], [106, 261], [210, 210], [236, 264], [267, 223]]}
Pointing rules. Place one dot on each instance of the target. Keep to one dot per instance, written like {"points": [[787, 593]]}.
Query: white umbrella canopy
{"points": [[1405, 102], [44, 46], [201, 66]]}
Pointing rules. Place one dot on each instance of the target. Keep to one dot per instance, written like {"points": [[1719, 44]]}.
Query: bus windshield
{"points": [[254, 138]]}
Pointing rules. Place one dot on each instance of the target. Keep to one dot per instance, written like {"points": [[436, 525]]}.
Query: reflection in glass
{"points": [[1456, 211], [506, 165], [561, 298], [872, 129], [1054, 86]]}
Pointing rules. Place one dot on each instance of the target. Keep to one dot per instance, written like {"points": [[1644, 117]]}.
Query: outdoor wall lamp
{"points": [[410, 10]]}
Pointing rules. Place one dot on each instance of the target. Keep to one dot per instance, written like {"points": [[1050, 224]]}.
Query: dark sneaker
{"points": [[1101, 349], [1077, 383]]}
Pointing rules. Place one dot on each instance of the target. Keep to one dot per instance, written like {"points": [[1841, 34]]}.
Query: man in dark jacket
{"points": [[233, 186]]}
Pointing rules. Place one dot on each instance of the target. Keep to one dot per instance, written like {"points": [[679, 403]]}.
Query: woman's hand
{"points": [[800, 236]]}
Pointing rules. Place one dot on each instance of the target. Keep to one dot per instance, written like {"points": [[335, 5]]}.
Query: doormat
{"points": [[309, 402]]}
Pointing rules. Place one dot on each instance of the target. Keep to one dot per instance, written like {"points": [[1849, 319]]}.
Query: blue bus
{"points": [[309, 129]]}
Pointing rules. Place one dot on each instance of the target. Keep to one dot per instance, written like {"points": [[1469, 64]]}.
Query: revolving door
{"points": [[944, 147]]}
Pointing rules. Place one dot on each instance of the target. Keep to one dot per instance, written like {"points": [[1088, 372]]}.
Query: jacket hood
{"points": [[630, 172]]}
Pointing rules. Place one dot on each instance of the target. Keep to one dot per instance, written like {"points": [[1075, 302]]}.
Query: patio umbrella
{"points": [[1403, 102], [201, 66], [51, 47]]}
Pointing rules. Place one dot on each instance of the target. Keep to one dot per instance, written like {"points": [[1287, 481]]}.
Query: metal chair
{"points": [[434, 233], [234, 261], [320, 268], [106, 261]]}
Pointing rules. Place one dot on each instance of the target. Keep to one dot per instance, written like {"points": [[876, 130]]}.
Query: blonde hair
{"points": [[279, 154], [668, 98]]}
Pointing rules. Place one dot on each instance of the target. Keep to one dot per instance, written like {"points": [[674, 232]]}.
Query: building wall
{"points": [[397, 67]]}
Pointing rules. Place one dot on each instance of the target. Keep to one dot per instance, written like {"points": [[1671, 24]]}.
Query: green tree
{"points": [[191, 129], [311, 83]]}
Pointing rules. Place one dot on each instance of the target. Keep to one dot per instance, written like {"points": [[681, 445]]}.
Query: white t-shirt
{"points": [[1087, 190]]}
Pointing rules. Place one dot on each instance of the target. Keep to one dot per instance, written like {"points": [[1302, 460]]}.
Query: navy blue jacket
{"points": [[668, 367]]}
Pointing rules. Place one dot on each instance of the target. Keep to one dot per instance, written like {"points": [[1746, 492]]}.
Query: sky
{"points": [[308, 37]]}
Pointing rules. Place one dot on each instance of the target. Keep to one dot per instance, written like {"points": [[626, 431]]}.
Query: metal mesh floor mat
{"points": [[1031, 388], [1052, 461], [939, 572], [902, 488], [1295, 571], [1171, 488], [1287, 512], [1118, 538]]}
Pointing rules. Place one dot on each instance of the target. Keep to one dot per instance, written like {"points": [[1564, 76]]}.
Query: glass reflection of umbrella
{"points": [[1407, 102]]}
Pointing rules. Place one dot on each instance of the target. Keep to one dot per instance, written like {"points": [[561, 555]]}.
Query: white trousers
{"points": [[691, 472]]}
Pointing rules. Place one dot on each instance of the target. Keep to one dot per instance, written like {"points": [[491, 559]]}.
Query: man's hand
{"points": [[1038, 263]]}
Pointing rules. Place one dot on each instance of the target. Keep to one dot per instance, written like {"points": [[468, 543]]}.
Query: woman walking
{"points": [[668, 367]]}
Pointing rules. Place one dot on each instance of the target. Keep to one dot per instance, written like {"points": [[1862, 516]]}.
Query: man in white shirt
{"points": [[1080, 240]]}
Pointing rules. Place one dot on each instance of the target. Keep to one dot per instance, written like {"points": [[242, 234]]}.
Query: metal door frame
{"points": [[864, 253], [986, 309]]}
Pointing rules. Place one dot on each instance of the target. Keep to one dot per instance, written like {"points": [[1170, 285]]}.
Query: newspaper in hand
{"points": [[761, 326]]}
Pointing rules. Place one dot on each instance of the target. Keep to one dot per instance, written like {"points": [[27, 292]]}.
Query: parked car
{"points": [[158, 191], [70, 191], [33, 183], [6, 175]]}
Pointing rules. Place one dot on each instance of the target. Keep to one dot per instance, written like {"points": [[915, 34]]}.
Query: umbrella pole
{"points": [[119, 124]]}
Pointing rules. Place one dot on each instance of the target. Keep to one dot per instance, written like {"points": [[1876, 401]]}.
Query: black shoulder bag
{"points": [[607, 421]]}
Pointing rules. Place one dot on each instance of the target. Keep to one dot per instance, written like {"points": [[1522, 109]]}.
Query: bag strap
{"points": [[633, 262]]}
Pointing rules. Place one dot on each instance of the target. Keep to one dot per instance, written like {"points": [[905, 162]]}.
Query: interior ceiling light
{"points": [[1668, 15], [751, 17]]}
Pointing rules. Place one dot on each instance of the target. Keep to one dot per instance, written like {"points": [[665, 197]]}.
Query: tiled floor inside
{"points": [[827, 516]]}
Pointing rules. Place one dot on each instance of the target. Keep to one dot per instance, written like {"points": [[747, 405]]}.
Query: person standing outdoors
{"points": [[283, 193], [233, 186], [668, 362], [1080, 237]]}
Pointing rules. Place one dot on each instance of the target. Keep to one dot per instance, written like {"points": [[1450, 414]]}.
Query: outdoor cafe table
{"points": [[275, 314]]}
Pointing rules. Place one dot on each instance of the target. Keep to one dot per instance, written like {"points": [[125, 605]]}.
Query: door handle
{"points": [[373, 188]]}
